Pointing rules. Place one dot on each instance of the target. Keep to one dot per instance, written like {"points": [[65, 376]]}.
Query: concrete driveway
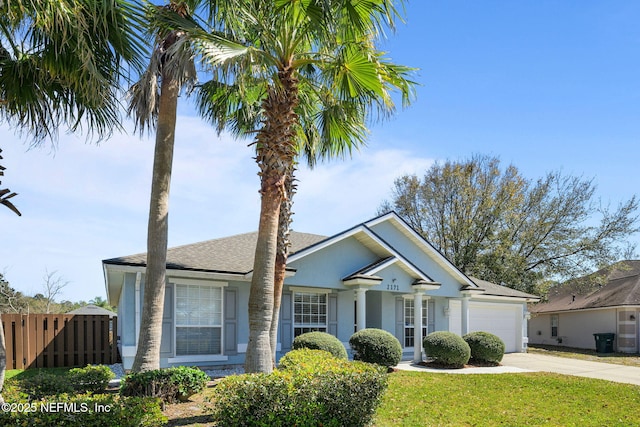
{"points": [[530, 362], [580, 368]]}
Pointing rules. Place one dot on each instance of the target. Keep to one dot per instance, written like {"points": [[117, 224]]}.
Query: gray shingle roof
{"points": [[617, 285], [499, 290], [233, 254], [92, 310]]}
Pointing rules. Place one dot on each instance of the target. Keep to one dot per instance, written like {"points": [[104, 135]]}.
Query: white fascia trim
{"points": [[578, 310], [500, 298], [208, 275], [384, 265], [208, 281], [303, 253], [424, 243], [123, 268], [179, 273], [309, 289], [196, 359]]}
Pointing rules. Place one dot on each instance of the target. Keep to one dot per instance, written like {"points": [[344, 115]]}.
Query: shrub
{"points": [[376, 346], [447, 348], [85, 411], [91, 378], [170, 385], [45, 384], [485, 347], [321, 341], [311, 388]]}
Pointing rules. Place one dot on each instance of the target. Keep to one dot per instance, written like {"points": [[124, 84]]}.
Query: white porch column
{"points": [[361, 298], [465, 315], [417, 326]]}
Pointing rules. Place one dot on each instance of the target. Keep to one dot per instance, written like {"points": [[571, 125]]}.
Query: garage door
{"points": [[503, 320]]}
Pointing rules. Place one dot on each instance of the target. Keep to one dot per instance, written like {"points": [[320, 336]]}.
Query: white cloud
{"points": [[87, 202]]}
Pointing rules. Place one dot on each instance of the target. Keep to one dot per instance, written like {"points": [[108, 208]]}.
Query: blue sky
{"points": [[545, 85]]}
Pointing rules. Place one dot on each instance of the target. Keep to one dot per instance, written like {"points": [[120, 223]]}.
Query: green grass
{"points": [[425, 399], [28, 373]]}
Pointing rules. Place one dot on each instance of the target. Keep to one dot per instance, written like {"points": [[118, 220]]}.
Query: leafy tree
{"points": [[305, 77], [60, 64], [11, 301], [100, 302], [495, 224]]}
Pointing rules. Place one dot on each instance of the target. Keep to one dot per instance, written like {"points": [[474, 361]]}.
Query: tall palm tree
{"points": [[60, 65], [312, 71], [153, 104]]}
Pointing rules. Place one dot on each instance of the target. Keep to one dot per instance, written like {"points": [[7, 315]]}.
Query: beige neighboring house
{"points": [[607, 301]]}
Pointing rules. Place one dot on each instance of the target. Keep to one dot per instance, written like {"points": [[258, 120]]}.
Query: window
{"points": [[554, 325], [198, 320], [309, 312], [409, 318]]}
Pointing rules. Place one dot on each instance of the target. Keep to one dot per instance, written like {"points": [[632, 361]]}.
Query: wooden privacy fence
{"points": [[57, 340]]}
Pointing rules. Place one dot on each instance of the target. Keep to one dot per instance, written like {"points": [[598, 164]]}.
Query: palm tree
{"points": [[6, 194], [155, 105], [60, 64], [313, 72]]}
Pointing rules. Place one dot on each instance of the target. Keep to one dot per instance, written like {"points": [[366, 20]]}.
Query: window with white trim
{"points": [[554, 325], [309, 312], [409, 319], [198, 319]]}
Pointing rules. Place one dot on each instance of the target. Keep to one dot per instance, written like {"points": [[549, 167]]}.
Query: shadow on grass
{"points": [[187, 421]]}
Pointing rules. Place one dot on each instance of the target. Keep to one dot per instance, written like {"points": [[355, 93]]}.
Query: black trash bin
{"points": [[604, 342]]}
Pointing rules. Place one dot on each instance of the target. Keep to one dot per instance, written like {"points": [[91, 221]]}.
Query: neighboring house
{"points": [[377, 274], [93, 310], [607, 301]]}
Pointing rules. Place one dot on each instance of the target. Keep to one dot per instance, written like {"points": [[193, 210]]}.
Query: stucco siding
{"points": [[400, 242], [327, 267]]}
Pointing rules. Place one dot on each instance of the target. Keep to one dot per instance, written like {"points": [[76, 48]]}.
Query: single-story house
{"points": [[377, 274], [607, 301]]}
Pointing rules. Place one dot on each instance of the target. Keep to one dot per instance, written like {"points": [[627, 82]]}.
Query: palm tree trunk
{"points": [[148, 351], [282, 253], [258, 357], [275, 155]]}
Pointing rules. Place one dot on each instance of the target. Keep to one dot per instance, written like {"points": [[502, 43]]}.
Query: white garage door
{"points": [[503, 320]]}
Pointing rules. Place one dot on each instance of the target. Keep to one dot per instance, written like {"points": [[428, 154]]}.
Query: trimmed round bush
{"points": [[485, 347], [321, 341], [447, 348], [376, 346]]}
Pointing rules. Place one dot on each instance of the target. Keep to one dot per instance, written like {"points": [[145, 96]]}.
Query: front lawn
{"points": [[425, 399]]}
